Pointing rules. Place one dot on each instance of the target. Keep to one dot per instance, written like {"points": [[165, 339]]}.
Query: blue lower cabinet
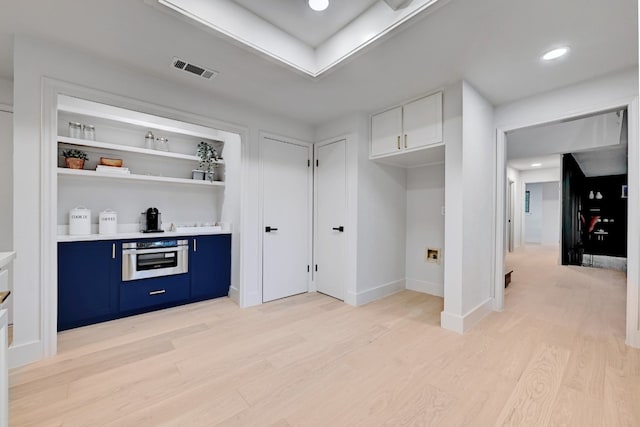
{"points": [[87, 282], [159, 291], [210, 266], [91, 289]]}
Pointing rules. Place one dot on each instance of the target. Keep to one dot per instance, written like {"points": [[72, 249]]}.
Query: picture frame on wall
{"points": [[625, 192]]}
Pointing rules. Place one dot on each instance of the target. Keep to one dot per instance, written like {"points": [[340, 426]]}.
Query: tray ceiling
{"points": [[276, 31], [310, 27]]}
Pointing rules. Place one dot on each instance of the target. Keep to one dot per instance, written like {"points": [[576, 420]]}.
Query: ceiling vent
{"points": [[203, 72]]}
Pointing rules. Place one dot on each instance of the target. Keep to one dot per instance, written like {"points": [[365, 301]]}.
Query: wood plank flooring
{"points": [[554, 357]]}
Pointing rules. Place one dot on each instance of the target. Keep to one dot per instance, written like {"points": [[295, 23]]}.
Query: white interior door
{"points": [[286, 248], [331, 209]]}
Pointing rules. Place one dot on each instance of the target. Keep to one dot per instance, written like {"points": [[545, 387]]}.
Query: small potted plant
{"points": [[208, 158], [74, 159]]}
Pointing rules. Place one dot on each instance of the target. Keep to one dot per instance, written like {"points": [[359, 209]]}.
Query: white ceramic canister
{"points": [[108, 222], [79, 221]]}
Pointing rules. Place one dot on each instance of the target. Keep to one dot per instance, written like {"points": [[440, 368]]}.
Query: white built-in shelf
{"points": [[129, 149], [94, 174]]}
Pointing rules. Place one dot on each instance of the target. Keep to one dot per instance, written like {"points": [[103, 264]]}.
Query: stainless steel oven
{"points": [[141, 260]]}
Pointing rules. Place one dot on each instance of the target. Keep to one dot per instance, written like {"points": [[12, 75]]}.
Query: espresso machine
{"points": [[151, 221]]}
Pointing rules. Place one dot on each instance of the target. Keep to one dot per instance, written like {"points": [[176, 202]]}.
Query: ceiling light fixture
{"points": [[555, 53], [536, 165], [318, 5]]}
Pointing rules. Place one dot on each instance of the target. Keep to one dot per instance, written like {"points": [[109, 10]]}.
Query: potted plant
{"points": [[74, 159], [208, 158]]}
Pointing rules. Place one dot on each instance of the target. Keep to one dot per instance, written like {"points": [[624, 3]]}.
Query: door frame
{"points": [[310, 211], [633, 226], [351, 220]]}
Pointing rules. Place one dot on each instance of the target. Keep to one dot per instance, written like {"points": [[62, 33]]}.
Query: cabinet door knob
{"points": [[398, 142]]}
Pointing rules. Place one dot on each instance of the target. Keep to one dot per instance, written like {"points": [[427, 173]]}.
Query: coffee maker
{"points": [[150, 221]]}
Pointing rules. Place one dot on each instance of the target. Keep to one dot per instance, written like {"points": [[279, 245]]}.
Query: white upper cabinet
{"points": [[422, 120], [386, 128], [400, 135]]}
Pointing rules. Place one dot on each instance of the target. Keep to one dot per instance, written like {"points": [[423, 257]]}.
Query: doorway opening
{"points": [[549, 215]]}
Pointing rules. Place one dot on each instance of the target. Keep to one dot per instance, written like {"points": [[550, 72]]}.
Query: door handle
{"points": [[405, 141], [340, 229], [160, 292], [398, 142], [270, 229]]}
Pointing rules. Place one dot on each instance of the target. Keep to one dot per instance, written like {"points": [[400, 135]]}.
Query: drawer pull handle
{"points": [[160, 292]]}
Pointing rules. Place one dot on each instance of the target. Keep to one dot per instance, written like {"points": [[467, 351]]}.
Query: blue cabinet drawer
{"points": [[157, 291]]}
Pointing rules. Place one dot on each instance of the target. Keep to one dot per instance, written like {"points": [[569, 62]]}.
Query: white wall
{"points": [[6, 165], [545, 175], [551, 213], [425, 228], [453, 178], [35, 59], [533, 218], [478, 140], [513, 175], [614, 89], [6, 91], [469, 196]]}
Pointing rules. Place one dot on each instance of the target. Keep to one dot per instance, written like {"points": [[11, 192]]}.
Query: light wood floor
{"points": [[555, 356]]}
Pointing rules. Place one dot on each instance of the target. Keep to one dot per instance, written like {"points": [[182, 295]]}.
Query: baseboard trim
{"points": [[24, 354], [234, 295], [430, 288], [462, 324], [365, 297], [633, 340]]}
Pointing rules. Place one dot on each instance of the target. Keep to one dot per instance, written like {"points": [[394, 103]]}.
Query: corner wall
{"points": [[425, 228], [470, 205]]}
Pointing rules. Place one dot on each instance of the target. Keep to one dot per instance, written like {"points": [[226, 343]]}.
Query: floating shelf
{"points": [[129, 149], [94, 174]]}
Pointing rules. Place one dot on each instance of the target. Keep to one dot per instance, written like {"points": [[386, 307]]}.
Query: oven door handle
{"points": [[155, 250]]}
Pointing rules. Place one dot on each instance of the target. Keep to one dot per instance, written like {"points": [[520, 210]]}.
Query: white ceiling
{"points": [[607, 129], [610, 161], [546, 162], [493, 44], [305, 24]]}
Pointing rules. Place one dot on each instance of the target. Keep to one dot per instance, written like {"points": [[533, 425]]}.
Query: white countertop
{"points": [[136, 235], [6, 258]]}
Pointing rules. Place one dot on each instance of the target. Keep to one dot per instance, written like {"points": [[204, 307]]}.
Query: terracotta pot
{"points": [[74, 163]]}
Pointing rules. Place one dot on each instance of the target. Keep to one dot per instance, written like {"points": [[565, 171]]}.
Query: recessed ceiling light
{"points": [[318, 5], [555, 53], [536, 165]]}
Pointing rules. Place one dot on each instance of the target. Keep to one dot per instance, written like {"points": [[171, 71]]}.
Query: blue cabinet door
{"points": [[87, 282], [210, 266]]}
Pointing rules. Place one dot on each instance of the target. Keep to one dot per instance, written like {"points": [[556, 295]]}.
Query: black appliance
{"points": [[151, 222]]}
